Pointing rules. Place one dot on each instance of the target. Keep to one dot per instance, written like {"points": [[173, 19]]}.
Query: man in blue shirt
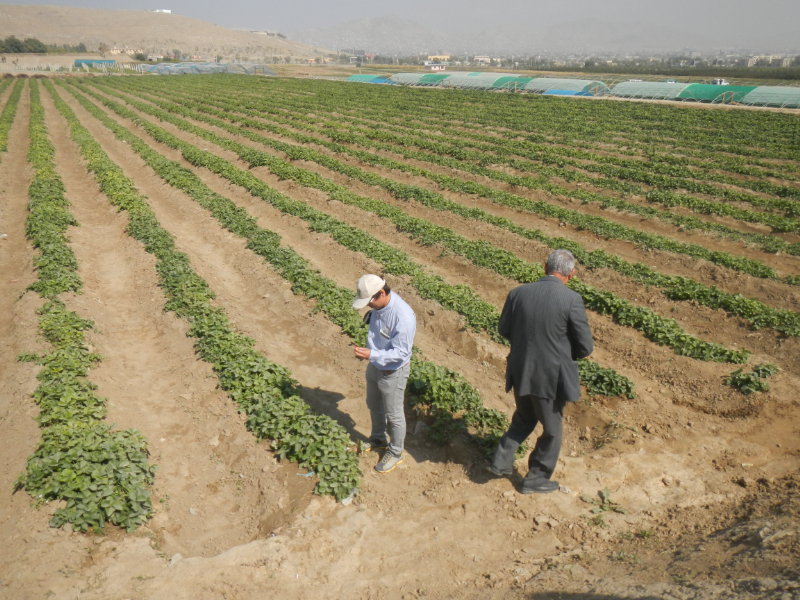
{"points": [[392, 325]]}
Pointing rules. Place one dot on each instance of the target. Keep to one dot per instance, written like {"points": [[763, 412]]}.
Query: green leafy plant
{"points": [[477, 313], [603, 503], [264, 390], [751, 382], [100, 473]]}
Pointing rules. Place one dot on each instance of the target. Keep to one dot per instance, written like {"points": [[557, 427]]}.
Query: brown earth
{"points": [[153, 32], [707, 497]]}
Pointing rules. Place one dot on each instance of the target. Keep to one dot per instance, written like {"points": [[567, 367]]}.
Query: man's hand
{"points": [[362, 352]]}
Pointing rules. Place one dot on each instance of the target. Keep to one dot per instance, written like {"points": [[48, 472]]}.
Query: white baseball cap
{"points": [[367, 286]]}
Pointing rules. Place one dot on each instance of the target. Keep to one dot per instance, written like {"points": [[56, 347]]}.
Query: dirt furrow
{"points": [[344, 266], [774, 293], [660, 227], [694, 383], [215, 487], [22, 527]]}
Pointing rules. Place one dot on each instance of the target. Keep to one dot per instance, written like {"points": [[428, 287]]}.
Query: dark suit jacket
{"points": [[547, 326]]}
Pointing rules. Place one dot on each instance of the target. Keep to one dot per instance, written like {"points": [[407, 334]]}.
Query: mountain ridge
{"points": [[155, 33]]}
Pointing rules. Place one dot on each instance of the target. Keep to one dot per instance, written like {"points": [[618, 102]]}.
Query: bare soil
{"points": [[707, 478]]}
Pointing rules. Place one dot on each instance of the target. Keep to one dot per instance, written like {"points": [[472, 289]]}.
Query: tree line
{"points": [[13, 45]]}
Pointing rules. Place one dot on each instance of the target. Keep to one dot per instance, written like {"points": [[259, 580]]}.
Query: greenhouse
{"points": [[407, 78], [369, 79], [511, 83], [656, 90], [482, 81], [431, 79], [781, 97], [569, 87], [698, 92], [191, 68]]}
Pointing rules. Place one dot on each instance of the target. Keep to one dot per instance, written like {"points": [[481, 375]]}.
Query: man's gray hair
{"points": [[560, 261]]}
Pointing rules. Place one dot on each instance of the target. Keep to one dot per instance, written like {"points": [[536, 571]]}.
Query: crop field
{"points": [[182, 412]]}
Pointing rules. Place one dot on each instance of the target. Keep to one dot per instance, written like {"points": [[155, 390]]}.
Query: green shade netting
{"points": [[432, 78], [705, 92], [362, 78], [511, 81]]}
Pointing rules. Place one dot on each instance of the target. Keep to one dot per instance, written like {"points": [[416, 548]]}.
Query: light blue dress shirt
{"points": [[391, 334]]}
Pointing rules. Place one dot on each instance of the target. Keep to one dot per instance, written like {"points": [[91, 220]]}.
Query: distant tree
{"points": [[34, 45], [176, 53], [139, 56], [14, 46], [102, 49], [218, 58]]}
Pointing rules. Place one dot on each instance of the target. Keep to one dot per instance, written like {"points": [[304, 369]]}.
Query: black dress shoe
{"points": [[543, 487], [499, 472]]}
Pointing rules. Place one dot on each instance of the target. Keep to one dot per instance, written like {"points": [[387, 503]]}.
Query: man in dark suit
{"points": [[547, 326]]}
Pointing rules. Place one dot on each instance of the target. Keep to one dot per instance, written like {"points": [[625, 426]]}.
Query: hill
{"points": [[153, 32]]}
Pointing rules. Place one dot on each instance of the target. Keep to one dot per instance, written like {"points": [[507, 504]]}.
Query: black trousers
{"points": [[532, 410]]}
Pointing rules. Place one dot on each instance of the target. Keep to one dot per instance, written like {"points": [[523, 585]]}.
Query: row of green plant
{"points": [[454, 403], [9, 110], [262, 389], [597, 224], [675, 287], [571, 162], [599, 124], [101, 474], [496, 150], [660, 173], [662, 331], [614, 178], [479, 314]]}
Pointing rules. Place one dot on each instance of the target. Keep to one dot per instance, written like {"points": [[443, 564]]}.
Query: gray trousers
{"points": [[532, 410], [385, 393]]}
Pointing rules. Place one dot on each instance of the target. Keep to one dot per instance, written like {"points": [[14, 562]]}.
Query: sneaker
{"points": [[377, 445], [389, 462]]}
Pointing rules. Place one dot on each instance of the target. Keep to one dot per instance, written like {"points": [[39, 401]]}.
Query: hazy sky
{"points": [[731, 17]]}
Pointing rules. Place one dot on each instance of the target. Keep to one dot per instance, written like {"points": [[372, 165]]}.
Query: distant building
{"points": [[482, 59], [161, 10], [439, 58], [786, 62], [434, 67]]}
